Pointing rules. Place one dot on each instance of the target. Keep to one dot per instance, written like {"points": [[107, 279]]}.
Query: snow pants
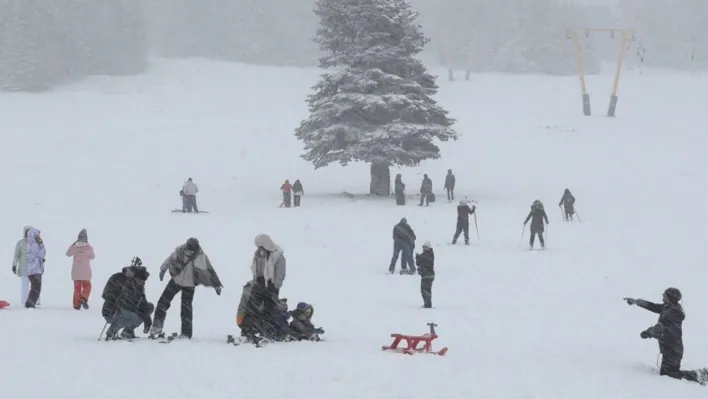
{"points": [[296, 199], [426, 291], [569, 212], [671, 366], [191, 204], [25, 289], [535, 232], [450, 194], [34, 291], [165, 301], [407, 258], [82, 290], [424, 197], [462, 226], [286, 199]]}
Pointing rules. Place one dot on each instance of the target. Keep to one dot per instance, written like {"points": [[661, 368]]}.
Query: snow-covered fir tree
{"points": [[377, 106]]}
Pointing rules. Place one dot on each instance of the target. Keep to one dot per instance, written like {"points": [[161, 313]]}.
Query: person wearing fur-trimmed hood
{"points": [[269, 269], [28, 263], [537, 215], [189, 267], [82, 253]]}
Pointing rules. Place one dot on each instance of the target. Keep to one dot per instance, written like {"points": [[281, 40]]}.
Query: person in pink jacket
{"points": [[83, 254]]}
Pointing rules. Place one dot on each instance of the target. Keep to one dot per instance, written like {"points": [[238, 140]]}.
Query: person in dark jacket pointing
{"points": [[669, 332]]}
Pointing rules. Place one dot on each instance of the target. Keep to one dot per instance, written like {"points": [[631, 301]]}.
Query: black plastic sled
{"points": [[180, 211]]}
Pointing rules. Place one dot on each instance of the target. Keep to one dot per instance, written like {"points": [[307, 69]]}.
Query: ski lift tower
{"points": [[626, 35]]}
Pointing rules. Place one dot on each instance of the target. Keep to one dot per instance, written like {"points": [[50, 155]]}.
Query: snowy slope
{"points": [[111, 154]]}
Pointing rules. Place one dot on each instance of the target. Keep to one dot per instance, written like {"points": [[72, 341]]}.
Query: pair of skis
{"points": [[258, 342]]}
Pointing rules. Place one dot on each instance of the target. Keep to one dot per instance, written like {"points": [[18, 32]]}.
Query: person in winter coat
{"points": [[190, 190], [19, 266], [269, 270], [426, 268], [287, 190], [28, 263], [298, 192], [426, 189], [450, 185], [399, 189], [537, 216], [463, 221], [568, 203], [189, 267], [83, 254], [668, 331], [126, 307], [403, 242], [301, 327]]}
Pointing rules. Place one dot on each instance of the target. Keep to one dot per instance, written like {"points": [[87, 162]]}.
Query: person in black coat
{"points": [[537, 217], [298, 192], [426, 190], [450, 185], [399, 189], [463, 221], [668, 331], [403, 241], [126, 306], [568, 203], [426, 268]]}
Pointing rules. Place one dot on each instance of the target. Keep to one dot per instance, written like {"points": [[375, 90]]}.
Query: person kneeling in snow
{"points": [[301, 328], [256, 322], [126, 306]]}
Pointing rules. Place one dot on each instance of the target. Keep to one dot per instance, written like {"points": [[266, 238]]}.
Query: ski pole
{"points": [[521, 240], [577, 215], [475, 224], [562, 215]]}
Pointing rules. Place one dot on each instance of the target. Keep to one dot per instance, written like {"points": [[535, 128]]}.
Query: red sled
{"points": [[4, 304], [412, 342]]}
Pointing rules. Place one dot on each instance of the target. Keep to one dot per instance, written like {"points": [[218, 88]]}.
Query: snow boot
{"points": [[83, 303], [127, 334]]}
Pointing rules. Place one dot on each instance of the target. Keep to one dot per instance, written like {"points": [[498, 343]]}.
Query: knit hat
{"points": [[192, 244], [427, 244]]}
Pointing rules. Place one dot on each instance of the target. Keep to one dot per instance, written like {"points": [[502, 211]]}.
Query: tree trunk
{"points": [[380, 180]]}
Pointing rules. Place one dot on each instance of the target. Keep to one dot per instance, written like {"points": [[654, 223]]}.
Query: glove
{"points": [[319, 330], [162, 274], [218, 290], [644, 334], [630, 301], [14, 269], [148, 326]]}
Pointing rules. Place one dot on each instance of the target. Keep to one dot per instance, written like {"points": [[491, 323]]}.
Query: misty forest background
{"points": [[44, 43]]}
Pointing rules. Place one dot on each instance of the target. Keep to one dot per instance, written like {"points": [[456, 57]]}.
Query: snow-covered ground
{"points": [[110, 155]]}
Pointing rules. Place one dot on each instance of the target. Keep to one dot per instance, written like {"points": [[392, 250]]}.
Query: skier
{"points": [[269, 271], [126, 306], [190, 190], [668, 331], [426, 191], [83, 254], [463, 221], [189, 267], [568, 203], [450, 185], [426, 268], [286, 189], [400, 190], [537, 216], [28, 263], [301, 327], [403, 241], [297, 192]]}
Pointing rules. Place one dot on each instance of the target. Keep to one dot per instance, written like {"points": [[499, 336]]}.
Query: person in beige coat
{"points": [[189, 267]]}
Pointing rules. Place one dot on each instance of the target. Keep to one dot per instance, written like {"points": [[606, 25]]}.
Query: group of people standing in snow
{"points": [[292, 193], [426, 189]]}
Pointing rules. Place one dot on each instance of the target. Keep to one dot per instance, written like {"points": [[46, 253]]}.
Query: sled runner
{"points": [[4, 304]]}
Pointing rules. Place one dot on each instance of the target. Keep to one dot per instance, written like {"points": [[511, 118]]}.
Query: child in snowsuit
{"points": [[301, 328], [426, 268], [126, 306], [287, 190], [298, 192], [537, 216], [668, 331], [568, 203], [83, 254], [463, 222]]}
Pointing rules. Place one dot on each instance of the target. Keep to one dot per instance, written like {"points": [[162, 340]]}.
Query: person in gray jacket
{"points": [[189, 267], [268, 268]]}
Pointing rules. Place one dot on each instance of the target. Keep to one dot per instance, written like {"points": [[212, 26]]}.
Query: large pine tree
{"points": [[377, 107]]}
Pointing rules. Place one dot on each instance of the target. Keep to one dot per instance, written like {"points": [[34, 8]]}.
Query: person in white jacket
{"points": [[28, 264], [189, 191]]}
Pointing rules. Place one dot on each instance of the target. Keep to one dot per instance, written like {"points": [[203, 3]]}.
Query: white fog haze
{"points": [[353, 199]]}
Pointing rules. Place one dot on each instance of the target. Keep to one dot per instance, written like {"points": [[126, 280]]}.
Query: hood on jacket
{"points": [[26, 230], [34, 235], [567, 191], [264, 240]]}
